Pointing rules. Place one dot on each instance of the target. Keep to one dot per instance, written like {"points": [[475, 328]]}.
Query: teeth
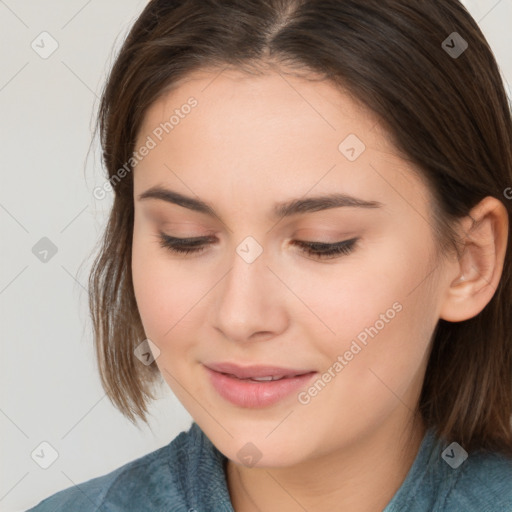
{"points": [[265, 379]]}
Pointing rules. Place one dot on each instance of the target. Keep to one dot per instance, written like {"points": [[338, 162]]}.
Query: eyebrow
{"points": [[283, 209]]}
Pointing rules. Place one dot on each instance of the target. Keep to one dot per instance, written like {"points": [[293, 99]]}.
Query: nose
{"points": [[250, 301]]}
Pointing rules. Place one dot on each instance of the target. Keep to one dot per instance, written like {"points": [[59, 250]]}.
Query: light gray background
{"points": [[50, 390]]}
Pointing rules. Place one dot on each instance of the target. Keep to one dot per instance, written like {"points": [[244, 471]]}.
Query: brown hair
{"points": [[449, 115]]}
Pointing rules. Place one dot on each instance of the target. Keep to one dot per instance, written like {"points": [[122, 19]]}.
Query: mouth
{"points": [[263, 379], [257, 372], [256, 386]]}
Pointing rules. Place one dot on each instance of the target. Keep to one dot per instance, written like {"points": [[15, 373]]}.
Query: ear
{"points": [[474, 277]]}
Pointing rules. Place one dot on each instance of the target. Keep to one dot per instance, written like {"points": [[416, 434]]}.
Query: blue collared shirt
{"points": [[188, 475]]}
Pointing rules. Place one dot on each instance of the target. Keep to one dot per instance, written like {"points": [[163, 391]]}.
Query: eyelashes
{"points": [[324, 250], [318, 250]]}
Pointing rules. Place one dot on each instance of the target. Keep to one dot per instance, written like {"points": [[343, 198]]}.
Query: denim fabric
{"points": [[188, 475]]}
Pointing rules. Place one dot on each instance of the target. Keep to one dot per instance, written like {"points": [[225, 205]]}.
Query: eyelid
{"points": [[195, 240], [318, 251], [190, 239], [207, 238]]}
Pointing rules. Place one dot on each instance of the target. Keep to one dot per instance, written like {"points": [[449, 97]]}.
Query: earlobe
{"points": [[478, 270]]}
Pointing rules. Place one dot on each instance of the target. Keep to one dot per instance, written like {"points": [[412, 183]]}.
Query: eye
{"points": [[183, 245], [318, 250], [327, 251]]}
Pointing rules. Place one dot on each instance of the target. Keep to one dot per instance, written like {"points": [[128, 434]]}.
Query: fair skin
{"points": [[253, 141]]}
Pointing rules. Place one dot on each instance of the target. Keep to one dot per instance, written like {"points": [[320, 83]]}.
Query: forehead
{"points": [[268, 97], [261, 131]]}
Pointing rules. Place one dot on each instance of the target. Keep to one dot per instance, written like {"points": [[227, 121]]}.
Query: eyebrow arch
{"points": [[284, 209]]}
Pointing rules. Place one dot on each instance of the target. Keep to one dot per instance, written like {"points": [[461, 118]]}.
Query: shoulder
{"points": [[155, 481], [444, 477], [483, 483]]}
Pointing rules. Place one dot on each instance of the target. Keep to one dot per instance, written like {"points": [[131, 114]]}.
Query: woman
{"points": [[309, 244]]}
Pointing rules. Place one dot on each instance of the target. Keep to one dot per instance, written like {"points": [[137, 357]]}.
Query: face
{"points": [[355, 325]]}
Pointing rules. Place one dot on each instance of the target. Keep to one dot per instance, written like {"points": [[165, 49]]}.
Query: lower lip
{"points": [[252, 394]]}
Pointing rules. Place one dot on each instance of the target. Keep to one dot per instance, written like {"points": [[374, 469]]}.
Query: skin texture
{"points": [[250, 142]]}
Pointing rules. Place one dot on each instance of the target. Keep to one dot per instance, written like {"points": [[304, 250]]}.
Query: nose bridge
{"points": [[248, 269], [245, 305]]}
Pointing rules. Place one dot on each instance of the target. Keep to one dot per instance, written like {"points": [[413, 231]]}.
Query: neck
{"points": [[362, 477]]}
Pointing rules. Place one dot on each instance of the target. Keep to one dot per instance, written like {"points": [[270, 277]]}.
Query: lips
{"points": [[260, 372], [256, 386]]}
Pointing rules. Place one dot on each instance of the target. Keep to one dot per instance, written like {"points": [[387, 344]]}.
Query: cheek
{"points": [[158, 286], [380, 319], [168, 295], [390, 315], [348, 297]]}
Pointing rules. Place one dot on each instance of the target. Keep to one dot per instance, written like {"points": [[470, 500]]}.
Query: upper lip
{"points": [[246, 372]]}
